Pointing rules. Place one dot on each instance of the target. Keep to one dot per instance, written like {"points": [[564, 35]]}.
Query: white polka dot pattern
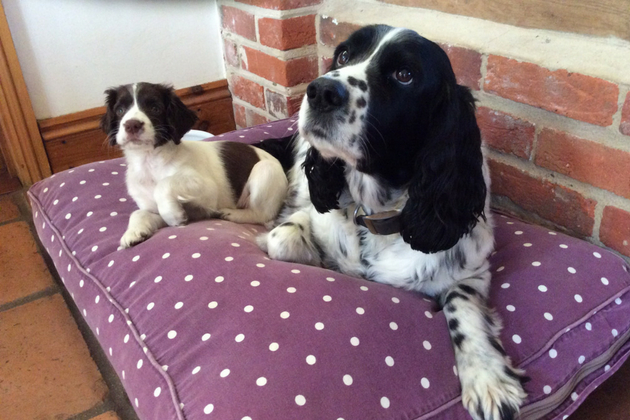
{"points": [[206, 290]]}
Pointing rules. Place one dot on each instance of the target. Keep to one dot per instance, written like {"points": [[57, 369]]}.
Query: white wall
{"points": [[72, 50]]}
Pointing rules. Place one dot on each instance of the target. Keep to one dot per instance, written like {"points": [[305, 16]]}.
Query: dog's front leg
{"points": [[142, 225], [168, 202], [291, 241], [491, 388]]}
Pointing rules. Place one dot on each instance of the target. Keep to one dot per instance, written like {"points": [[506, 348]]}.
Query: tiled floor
{"points": [[51, 367]]}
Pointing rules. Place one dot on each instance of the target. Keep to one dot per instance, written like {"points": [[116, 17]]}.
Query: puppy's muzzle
{"points": [[327, 95], [134, 127]]}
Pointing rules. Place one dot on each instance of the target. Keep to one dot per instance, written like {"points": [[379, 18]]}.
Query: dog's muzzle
{"points": [[326, 95]]}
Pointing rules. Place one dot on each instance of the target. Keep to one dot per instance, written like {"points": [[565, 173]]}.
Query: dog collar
{"points": [[383, 223]]}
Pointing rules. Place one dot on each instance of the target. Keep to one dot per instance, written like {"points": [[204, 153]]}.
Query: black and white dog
{"points": [[389, 183], [172, 180]]}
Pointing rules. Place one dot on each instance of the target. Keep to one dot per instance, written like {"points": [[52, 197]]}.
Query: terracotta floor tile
{"points": [[8, 209], [110, 415], [46, 371], [22, 269]]}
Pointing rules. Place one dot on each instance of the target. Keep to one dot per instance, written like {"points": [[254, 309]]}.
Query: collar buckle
{"points": [[383, 223]]}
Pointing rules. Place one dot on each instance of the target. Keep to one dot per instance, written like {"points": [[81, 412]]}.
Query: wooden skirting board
{"points": [[75, 139]]}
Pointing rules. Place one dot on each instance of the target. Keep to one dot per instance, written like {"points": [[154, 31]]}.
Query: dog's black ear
{"points": [[109, 123], [447, 192], [180, 118], [326, 180]]}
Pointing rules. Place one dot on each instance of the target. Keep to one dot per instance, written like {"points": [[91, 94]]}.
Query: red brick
{"points": [[584, 160], [466, 65], [231, 53], [248, 91], [332, 34], [562, 206], [286, 34], [254, 118], [285, 73], [239, 22], [276, 103], [324, 65], [240, 117], [625, 117], [280, 4], [281, 106], [573, 95], [505, 132], [615, 229]]}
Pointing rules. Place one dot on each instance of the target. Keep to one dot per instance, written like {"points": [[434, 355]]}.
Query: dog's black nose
{"points": [[325, 94], [133, 126]]}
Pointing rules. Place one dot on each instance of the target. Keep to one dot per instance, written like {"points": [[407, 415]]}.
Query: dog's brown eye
{"points": [[343, 58], [404, 76], [120, 111], [155, 109]]}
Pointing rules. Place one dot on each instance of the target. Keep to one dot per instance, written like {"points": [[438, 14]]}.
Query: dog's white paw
{"points": [[134, 236], [493, 394], [175, 217], [261, 240]]}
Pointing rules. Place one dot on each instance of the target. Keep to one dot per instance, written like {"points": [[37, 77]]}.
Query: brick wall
{"points": [[558, 141], [270, 54]]}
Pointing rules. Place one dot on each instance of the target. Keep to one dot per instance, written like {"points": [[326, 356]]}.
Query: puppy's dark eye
{"points": [[120, 110], [155, 109], [343, 58], [404, 76]]}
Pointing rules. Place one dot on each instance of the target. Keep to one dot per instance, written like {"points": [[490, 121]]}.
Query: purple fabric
{"points": [[200, 324]]}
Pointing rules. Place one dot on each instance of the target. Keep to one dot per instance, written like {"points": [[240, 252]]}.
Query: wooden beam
{"points": [[23, 144], [591, 17]]}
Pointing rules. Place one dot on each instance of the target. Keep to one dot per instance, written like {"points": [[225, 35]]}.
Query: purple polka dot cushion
{"points": [[200, 324]]}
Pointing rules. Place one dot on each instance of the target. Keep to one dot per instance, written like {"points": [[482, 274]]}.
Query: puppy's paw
{"points": [[175, 218], [224, 214], [133, 237], [262, 240], [493, 394]]}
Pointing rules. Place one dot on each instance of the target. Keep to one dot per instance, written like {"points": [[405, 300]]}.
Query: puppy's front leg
{"points": [[168, 203], [142, 225], [491, 388]]}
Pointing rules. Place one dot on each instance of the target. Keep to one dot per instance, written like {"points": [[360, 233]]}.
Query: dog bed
{"points": [[200, 324]]}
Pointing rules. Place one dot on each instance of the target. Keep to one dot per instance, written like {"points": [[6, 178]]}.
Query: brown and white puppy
{"points": [[173, 181]]}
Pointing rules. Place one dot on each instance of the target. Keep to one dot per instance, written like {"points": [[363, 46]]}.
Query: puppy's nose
{"points": [[325, 94], [133, 126]]}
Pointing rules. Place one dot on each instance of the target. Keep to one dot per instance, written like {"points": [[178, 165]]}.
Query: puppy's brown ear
{"points": [[109, 124], [180, 118]]}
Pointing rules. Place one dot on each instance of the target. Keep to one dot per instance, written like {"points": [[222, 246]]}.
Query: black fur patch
{"points": [[353, 117], [453, 324], [326, 180], [361, 102], [497, 346], [238, 159], [467, 289], [458, 340], [454, 295]]}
